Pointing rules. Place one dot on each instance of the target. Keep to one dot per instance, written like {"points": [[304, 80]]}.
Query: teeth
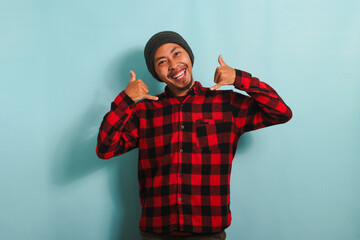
{"points": [[179, 74]]}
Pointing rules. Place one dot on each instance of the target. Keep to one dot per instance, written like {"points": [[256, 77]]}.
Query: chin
{"points": [[187, 85]]}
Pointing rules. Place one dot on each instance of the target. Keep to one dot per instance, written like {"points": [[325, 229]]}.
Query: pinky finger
{"points": [[147, 96], [215, 87]]}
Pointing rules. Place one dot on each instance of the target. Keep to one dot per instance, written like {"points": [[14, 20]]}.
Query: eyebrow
{"points": [[157, 59]]}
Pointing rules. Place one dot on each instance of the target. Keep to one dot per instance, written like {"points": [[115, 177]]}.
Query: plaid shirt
{"points": [[186, 149]]}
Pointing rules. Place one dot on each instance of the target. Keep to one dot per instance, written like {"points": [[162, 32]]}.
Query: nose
{"points": [[172, 64]]}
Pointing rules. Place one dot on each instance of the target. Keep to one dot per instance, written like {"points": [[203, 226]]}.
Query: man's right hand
{"points": [[137, 89]]}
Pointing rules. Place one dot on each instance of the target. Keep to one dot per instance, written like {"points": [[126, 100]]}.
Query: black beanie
{"points": [[159, 39]]}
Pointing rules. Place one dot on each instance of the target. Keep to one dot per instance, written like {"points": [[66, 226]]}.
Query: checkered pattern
{"points": [[186, 149]]}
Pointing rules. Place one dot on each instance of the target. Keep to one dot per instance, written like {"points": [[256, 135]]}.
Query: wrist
{"points": [[129, 95]]}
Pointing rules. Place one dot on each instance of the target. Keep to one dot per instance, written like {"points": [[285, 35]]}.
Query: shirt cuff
{"points": [[242, 80], [122, 102]]}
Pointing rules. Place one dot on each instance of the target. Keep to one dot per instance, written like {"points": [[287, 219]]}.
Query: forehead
{"points": [[166, 49]]}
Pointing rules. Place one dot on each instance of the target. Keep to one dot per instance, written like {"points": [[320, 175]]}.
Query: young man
{"points": [[187, 138]]}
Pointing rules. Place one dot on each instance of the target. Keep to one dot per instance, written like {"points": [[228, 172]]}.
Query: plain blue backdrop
{"points": [[63, 62]]}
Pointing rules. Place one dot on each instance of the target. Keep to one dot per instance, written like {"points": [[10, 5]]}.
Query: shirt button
{"points": [[180, 199], [181, 150], [181, 105], [180, 175], [182, 127]]}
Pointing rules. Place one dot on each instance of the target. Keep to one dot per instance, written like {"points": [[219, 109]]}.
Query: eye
{"points": [[177, 53], [161, 62]]}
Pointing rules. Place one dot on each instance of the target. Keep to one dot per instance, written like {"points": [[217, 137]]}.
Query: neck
{"points": [[181, 92]]}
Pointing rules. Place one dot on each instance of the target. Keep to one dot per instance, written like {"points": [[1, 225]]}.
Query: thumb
{"points": [[221, 61], [133, 76]]}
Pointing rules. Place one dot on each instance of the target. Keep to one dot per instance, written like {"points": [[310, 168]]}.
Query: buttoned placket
{"points": [[181, 129], [179, 173]]}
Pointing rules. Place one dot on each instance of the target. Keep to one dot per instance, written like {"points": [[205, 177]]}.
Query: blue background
{"points": [[63, 62]]}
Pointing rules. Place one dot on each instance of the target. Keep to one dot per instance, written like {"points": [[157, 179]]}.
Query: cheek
{"points": [[158, 71], [189, 67], [161, 72], [188, 63]]}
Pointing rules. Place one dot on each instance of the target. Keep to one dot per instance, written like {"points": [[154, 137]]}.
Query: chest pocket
{"points": [[213, 133]]}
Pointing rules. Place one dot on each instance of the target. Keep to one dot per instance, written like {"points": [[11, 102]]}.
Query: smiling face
{"points": [[173, 66]]}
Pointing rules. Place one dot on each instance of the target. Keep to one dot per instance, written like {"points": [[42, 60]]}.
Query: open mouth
{"points": [[180, 75]]}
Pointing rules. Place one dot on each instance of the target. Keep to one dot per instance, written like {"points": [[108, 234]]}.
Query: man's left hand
{"points": [[224, 75]]}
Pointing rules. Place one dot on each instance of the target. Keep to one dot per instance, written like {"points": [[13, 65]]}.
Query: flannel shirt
{"points": [[186, 149]]}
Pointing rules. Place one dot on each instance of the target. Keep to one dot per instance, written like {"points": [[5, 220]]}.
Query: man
{"points": [[187, 138]]}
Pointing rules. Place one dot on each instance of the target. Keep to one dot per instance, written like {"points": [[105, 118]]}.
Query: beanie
{"points": [[159, 39]]}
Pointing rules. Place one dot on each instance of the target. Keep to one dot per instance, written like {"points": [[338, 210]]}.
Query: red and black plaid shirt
{"points": [[186, 149]]}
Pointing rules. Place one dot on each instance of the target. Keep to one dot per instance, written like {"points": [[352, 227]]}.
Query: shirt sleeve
{"points": [[118, 131], [263, 108]]}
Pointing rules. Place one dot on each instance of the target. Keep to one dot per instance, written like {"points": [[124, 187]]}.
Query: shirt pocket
{"points": [[207, 131]]}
